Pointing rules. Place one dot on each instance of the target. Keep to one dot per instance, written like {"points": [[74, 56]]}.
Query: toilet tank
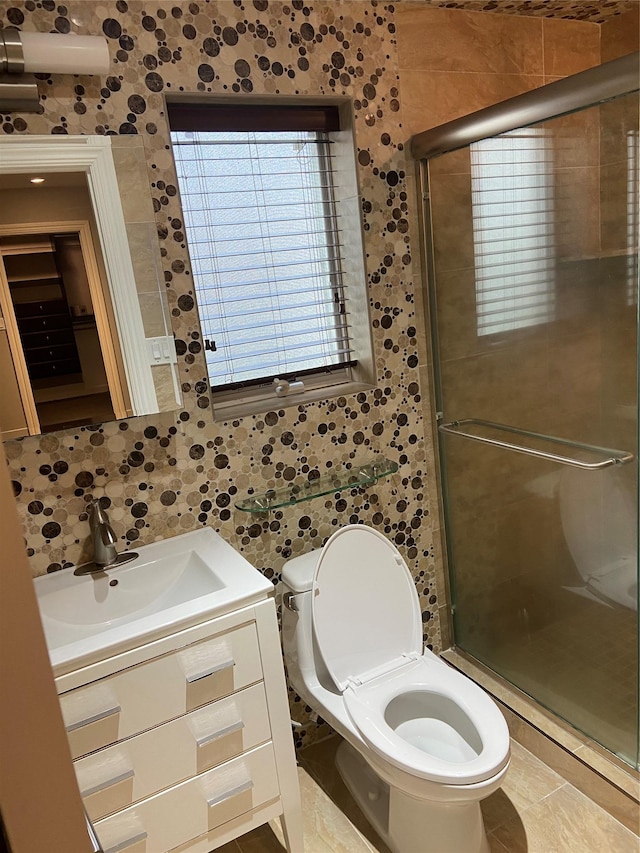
{"points": [[298, 572], [297, 629]]}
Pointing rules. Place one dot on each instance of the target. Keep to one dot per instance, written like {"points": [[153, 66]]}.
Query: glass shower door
{"points": [[536, 313]]}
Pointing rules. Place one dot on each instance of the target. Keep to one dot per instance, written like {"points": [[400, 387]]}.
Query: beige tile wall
{"points": [[619, 36], [474, 60]]}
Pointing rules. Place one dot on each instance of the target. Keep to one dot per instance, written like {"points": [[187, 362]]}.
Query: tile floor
{"points": [[535, 811]]}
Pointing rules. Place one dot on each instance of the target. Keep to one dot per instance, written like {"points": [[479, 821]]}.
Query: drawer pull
{"points": [[227, 664], [234, 727], [101, 715], [228, 795], [101, 786], [122, 845]]}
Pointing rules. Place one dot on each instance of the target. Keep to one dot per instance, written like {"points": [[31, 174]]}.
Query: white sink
{"points": [[122, 593], [172, 584]]}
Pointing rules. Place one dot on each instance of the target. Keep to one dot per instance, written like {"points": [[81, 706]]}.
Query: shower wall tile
{"points": [[433, 98], [621, 35], [453, 216], [456, 297], [619, 120], [577, 298], [580, 376], [568, 48], [452, 163], [577, 217], [575, 139], [505, 385], [530, 532], [513, 54], [468, 41]]}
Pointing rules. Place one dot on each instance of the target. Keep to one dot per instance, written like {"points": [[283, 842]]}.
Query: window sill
{"points": [[229, 410]]}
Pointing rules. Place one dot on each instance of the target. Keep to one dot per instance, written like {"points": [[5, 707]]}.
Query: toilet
{"points": [[423, 744], [600, 522]]}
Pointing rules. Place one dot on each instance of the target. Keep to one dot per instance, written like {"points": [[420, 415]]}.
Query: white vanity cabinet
{"points": [[184, 743]]}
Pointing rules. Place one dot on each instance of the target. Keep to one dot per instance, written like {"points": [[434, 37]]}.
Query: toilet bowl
{"points": [[424, 744]]}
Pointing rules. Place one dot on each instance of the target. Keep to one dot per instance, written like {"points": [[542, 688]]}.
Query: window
{"points": [[264, 213], [513, 230]]}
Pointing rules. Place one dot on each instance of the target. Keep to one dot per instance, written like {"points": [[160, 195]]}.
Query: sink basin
{"points": [[139, 587], [172, 584]]}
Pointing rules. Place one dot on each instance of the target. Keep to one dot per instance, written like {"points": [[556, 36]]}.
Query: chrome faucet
{"points": [[104, 539], [105, 555]]}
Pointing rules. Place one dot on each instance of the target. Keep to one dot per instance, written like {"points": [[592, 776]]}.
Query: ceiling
{"points": [[53, 179], [596, 11]]}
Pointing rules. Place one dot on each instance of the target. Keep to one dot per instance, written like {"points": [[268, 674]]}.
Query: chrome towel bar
{"points": [[612, 457]]}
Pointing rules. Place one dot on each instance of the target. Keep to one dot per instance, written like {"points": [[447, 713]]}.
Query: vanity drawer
{"points": [[121, 775], [135, 699], [194, 807]]}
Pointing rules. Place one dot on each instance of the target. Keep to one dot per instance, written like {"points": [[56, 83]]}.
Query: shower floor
{"points": [[582, 667]]}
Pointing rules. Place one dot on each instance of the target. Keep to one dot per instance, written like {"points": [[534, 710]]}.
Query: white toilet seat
{"points": [[368, 629], [451, 732], [366, 612]]}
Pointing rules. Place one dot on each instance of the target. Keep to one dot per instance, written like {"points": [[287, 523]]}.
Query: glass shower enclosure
{"points": [[532, 244]]}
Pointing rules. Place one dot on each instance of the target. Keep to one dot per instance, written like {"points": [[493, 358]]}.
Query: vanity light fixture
{"points": [[44, 53]]}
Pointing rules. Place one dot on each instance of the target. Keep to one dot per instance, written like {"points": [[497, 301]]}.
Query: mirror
{"points": [[85, 329]]}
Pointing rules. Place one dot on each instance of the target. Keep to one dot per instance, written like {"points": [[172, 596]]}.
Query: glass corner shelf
{"points": [[359, 476]]}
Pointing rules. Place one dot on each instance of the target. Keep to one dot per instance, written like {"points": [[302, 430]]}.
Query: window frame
{"points": [[358, 374]]}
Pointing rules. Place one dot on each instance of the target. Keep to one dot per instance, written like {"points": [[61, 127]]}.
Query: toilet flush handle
{"points": [[289, 601]]}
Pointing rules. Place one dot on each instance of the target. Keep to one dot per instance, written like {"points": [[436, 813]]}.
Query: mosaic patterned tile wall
{"points": [[167, 474]]}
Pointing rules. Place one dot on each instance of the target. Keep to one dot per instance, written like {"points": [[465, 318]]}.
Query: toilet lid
{"points": [[366, 612]]}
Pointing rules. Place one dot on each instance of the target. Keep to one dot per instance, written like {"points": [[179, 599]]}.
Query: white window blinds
{"points": [[261, 227], [513, 230]]}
